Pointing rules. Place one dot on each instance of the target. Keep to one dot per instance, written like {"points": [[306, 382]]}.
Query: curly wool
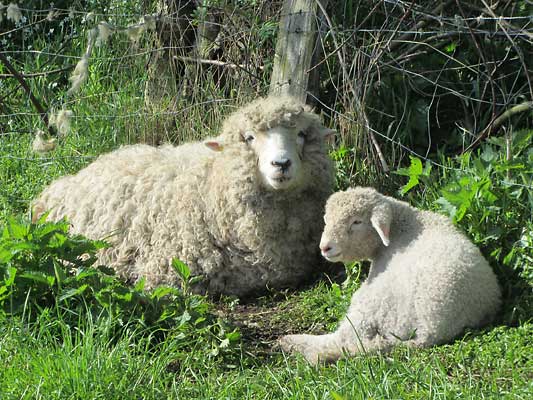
{"points": [[209, 209], [424, 289]]}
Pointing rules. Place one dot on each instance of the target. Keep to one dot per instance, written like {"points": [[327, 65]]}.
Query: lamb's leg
{"points": [[350, 339], [315, 348]]}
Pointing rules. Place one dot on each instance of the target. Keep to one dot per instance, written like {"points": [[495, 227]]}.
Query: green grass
{"points": [[49, 360], [47, 357]]}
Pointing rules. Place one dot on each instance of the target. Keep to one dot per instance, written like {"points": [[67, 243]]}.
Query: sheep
{"points": [[239, 209], [427, 282]]}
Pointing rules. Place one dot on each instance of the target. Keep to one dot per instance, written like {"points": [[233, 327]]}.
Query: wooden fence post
{"points": [[294, 49]]}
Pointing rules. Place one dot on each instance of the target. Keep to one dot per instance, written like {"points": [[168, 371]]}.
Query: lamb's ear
{"points": [[328, 134], [381, 220], [214, 145]]}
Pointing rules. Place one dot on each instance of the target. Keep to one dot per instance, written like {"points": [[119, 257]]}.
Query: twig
{"points": [[37, 74], [27, 89], [347, 40], [215, 62], [482, 56], [373, 139], [517, 49], [397, 42], [496, 123]]}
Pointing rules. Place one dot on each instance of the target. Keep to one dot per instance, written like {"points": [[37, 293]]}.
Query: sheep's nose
{"points": [[283, 164]]}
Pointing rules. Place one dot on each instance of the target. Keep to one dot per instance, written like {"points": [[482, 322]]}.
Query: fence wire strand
{"points": [[364, 55]]}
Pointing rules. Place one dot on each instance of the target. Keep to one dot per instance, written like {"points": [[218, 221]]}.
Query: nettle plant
{"points": [[491, 197], [45, 269], [489, 194]]}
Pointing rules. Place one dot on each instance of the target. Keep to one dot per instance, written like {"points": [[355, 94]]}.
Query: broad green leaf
{"points": [[15, 229], [195, 279], [450, 48], [11, 274], [427, 168], [233, 336], [166, 314], [73, 292], [413, 172], [185, 317], [38, 276], [82, 273], [5, 256], [446, 206], [139, 286], [336, 396], [461, 212], [124, 296], [20, 246], [181, 268], [162, 291]]}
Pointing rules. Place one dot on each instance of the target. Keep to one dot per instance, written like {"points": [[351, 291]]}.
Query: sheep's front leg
{"points": [[315, 348]]}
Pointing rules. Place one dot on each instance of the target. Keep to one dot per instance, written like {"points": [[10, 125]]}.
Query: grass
{"points": [[90, 363], [47, 358]]}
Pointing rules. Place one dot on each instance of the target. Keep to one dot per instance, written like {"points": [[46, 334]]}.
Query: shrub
{"points": [[488, 194], [43, 269]]}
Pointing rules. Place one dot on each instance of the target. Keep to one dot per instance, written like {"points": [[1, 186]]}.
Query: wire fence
{"points": [[396, 77]]}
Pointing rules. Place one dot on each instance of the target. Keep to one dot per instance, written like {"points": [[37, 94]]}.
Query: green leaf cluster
{"points": [[44, 269], [489, 194]]}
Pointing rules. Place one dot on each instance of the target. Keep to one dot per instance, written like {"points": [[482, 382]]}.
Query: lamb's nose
{"points": [[325, 248], [283, 164]]}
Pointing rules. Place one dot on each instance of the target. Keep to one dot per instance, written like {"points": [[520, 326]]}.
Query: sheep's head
{"points": [[280, 132], [357, 225]]}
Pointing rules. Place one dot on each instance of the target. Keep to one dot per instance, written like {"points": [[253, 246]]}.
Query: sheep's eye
{"points": [[302, 134], [248, 138], [355, 223]]}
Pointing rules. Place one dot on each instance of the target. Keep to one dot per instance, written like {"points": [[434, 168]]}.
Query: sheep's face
{"points": [[285, 138], [279, 153], [356, 225]]}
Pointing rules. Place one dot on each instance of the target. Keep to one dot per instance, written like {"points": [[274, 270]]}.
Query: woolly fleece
{"points": [[207, 208], [424, 289]]}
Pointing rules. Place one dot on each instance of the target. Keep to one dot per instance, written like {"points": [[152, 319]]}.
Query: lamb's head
{"points": [[357, 225], [280, 132]]}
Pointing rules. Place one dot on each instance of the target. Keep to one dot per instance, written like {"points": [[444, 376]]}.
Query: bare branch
{"points": [[27, 89], [37, 74], [497, 122]]}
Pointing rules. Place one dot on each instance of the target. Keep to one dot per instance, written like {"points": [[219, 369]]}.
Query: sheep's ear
{"points": [[214, 145], [381, 220]]}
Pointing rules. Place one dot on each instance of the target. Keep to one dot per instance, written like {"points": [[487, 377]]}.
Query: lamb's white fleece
{"points": [[426, 284]]}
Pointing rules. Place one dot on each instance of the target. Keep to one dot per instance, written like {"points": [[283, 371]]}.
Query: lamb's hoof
{"points": [[299, 344]]}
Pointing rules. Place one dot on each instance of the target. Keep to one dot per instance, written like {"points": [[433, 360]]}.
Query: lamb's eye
{"points": [[302, 134]]}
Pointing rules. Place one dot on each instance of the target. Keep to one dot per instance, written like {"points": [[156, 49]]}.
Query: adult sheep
{"points": [[240, 209], [427, 282]]}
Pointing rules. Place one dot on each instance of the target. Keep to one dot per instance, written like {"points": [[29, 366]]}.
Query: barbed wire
{"points": [[457, 22], [402, 146], [43, 159], [451, 26], [136, 15], [138, 113]]}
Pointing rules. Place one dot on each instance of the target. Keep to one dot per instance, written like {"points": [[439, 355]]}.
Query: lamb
{"points": [[239, 209], [427, 282]]}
